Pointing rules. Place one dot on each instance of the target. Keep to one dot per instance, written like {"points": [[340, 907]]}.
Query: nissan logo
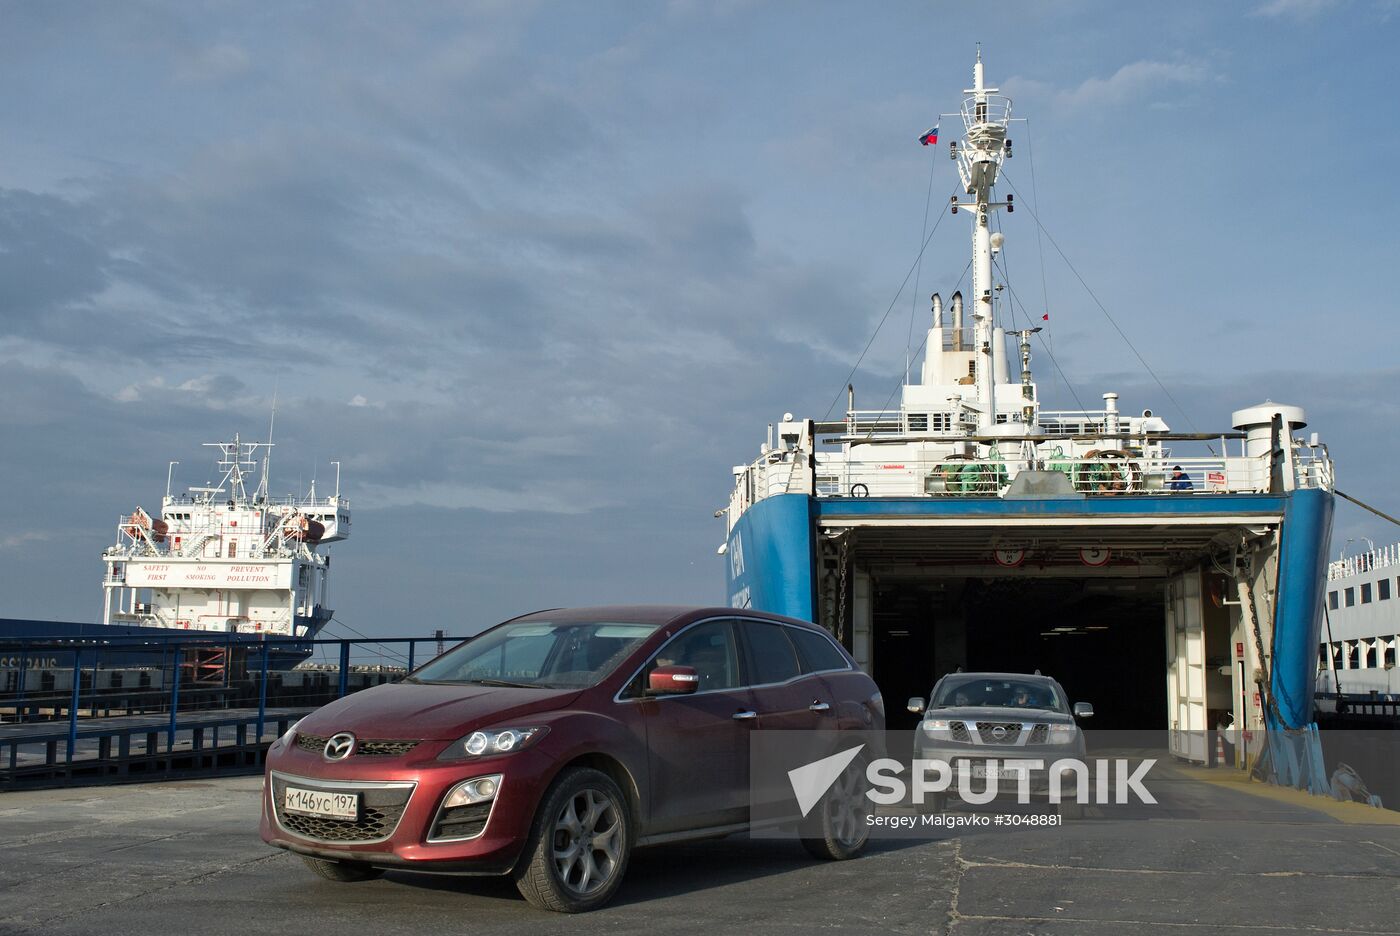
{"points": [[998, 732], [339, 746]]}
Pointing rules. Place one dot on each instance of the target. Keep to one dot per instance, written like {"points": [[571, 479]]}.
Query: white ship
{"points": [[1362, 632], [221, 560]]}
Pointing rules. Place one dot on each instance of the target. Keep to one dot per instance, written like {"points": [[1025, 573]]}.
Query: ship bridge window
{"points": [[1365, 592], [1351, 597], [1332, 600], [1383, 590], [918, 422]]}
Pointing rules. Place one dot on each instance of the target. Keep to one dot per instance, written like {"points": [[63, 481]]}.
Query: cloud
{"points": [[218, 62], [1131, 82], [1295, 9]]}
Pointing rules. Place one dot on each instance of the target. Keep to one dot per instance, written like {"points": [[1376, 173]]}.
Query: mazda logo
{"points": [[339, 746], [998, 732]]}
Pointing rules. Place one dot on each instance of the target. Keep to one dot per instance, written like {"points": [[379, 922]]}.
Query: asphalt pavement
{"points": [[1220, 857]]}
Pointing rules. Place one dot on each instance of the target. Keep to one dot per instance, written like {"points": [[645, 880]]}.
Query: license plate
{"points": [[322, 804], [994, 771]]}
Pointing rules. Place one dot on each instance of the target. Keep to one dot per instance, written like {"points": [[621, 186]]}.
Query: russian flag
{"points": [[930, 135]]}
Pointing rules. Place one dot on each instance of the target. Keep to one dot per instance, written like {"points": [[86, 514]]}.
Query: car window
{"points": [[771, 657], [707, 648], [1000, 692], [816, 652], [546, 654]]}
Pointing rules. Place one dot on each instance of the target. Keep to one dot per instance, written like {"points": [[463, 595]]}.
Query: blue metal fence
{"points": [[162, 681]]}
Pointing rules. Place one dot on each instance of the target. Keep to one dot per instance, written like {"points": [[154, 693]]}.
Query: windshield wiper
{"points": [[504, 683]]}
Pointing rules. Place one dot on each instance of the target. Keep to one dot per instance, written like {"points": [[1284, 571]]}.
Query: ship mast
{"points": [[985, 115]]}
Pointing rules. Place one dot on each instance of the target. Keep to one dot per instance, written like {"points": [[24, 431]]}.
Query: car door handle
{"points": [[819, 706], [745, 714]]}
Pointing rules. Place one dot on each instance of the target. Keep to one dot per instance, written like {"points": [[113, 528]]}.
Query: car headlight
{"points": [[290, 732], [491, 743], [1063, 734], [940, 729]]}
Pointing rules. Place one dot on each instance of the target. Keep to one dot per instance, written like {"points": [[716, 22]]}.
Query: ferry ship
{"points": [[1174, 579], [218, 559]]}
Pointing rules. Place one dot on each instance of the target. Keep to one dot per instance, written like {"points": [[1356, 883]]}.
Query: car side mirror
{"points": [[1083, 710], [916, 705], [673, 680]]}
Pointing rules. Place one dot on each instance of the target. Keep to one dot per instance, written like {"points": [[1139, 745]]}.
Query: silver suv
{"points": [[986, 719]]}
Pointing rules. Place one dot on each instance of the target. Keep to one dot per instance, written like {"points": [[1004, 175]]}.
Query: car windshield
{"points": [[538, 654], [1000, 692]]}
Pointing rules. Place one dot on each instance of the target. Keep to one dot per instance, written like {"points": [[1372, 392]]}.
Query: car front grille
{"points": [[364, 748], [381, 808], [1040, 734], [959, 731], [998, 732], [384, 748]]}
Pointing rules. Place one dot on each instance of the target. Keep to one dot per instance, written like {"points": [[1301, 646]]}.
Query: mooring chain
{"points": [[841, 570]]}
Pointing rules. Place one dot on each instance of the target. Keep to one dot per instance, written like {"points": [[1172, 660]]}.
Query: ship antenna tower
{"points": [[985, 116], [261, 495]]}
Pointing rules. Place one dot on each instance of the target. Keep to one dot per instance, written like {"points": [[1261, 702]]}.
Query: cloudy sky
{"points": [[538, 275]]}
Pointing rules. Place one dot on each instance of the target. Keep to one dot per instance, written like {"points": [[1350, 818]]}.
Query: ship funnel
{"points": [[957, 321], [937, 311]]}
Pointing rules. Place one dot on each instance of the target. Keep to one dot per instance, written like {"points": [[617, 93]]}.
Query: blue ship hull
{"points": [[772, 556]]}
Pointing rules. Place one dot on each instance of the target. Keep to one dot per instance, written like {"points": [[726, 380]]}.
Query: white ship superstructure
{"points": [[1363, 625], [968, 427], [220, 559]]}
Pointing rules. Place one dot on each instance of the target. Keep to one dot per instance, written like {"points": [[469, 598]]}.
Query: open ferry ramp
{"points": [[1223, 856]]}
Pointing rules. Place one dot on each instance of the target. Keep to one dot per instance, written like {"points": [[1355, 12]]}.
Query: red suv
{"points": [[548, 747]]}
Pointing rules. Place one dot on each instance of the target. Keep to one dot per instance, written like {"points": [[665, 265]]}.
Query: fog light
{"points": [[476, 790]]}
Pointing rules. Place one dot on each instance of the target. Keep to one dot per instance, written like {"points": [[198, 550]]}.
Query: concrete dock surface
{"points": [[1224, 857]]}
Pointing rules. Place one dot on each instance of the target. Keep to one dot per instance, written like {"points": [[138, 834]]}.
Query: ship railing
{"points": [[286, 500], [870, 423], [1074, 422], [1384, 557], [996, 110], [1314, 469], [962, 477]]}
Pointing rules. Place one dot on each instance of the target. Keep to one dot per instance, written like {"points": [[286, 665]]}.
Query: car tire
{"points": [[344, 872], [560, 868], [836, 829]]}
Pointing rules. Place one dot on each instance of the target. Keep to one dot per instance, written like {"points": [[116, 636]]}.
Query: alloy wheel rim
{"points": [[846, 809], [587, 842]]}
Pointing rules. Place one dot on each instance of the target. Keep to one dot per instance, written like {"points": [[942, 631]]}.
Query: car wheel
{"points": [[579, 844], [344, 872], [837, 829]]}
